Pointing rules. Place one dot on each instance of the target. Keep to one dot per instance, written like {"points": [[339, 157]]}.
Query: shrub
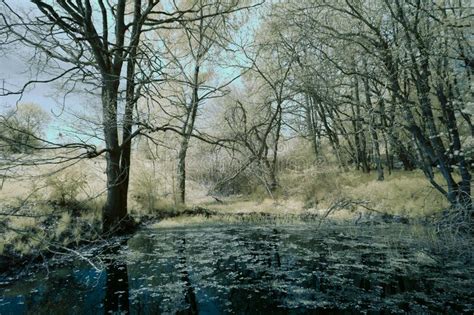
{"points": [[66, 185], [145, 187]]}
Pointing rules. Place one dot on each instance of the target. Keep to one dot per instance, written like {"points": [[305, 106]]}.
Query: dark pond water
{"points": [[248, 269]]}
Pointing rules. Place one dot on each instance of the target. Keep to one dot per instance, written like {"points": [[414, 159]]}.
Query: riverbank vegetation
{"points": [[63, 210]]}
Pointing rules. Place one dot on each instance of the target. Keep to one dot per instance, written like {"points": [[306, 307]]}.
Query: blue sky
{"points": [[14, 73], [17, 66]]}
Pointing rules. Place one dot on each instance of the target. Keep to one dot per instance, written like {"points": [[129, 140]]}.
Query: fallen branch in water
{"points": [[339, 204], [75, 252]]}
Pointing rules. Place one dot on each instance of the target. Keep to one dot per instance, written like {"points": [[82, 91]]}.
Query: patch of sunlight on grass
{"points": [[183, 221], [402, 192], [247, 205], [408, 194]]}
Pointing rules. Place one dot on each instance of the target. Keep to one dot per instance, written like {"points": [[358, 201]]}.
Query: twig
{"points": [[77, 254]]}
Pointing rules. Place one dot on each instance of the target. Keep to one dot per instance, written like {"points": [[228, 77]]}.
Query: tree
{"points": [[271, 78], [194, 51], [21, 127]]}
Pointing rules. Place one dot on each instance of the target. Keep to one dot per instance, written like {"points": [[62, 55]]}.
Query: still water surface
{"points": [[250, 269]]}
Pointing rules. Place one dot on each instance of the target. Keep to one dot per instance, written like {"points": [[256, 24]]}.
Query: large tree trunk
{"points": [[115, 209], [115, 217], [118, 161], [115, 212]]}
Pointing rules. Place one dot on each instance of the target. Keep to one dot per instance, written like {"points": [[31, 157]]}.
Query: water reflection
{"points": [[117, 297], [66, 290], [189, 295], [247, 270]]}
